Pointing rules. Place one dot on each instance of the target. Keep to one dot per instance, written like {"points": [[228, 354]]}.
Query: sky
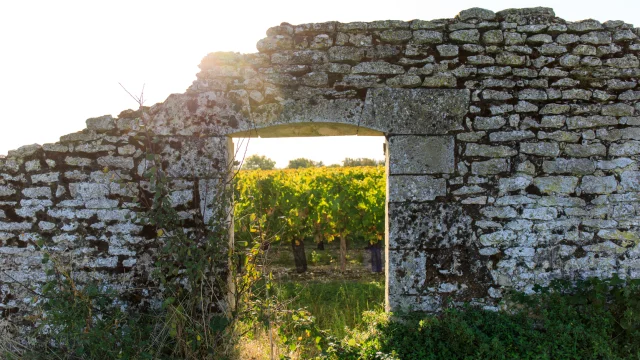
{"points": [[61, 61]]}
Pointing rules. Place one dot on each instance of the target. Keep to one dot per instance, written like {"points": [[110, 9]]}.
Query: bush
{"points": [[595, 319]]}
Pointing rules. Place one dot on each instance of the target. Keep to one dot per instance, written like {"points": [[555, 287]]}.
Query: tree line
{"points": [[261, 162]]}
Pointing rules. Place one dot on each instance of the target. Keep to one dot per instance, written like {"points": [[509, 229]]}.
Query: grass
{"points": [[336, 304]]}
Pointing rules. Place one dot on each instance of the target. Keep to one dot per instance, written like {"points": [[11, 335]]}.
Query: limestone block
{"points": [[403, 81], [408, 272], [542, 213], [428, 225], [489, 123], [508, 58], [421, 155], [627, 148], [500, 212], [77, 161], [395, 36], [614, 164], [561, 201], [315, 79], [24, 151], [576, 150], [87, 191], [6, 190], [630, 180], [415, 188], [447, 50], [14, 226], [560, 136], [517, 135], [476, 13], [103, 123], [427, 37], [377, 67], [556, 184], [490, 167], [626, 62], [465, 36], [415, 111], [275, 43], [532, 94], [500, 238], [506, 185], [548, 149], [489, 151], [569, 166], [37, 193], [617, 110], [440, 80], [492, 37], [596, 38], [299, 57]]}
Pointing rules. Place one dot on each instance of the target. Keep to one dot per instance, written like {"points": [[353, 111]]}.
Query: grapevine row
{"points": [[319, 203]]}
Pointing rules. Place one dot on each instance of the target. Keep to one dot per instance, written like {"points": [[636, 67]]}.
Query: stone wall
{"points": [[513, 149], [85, 196]]}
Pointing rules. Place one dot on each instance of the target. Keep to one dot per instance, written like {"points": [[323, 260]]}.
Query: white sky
{"points": [[61, 61]]}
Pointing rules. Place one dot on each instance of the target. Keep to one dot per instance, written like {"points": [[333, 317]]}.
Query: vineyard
{"points": [[315, 205]]}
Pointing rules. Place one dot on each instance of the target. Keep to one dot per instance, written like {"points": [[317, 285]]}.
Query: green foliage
{"points": [[336, 305], [87, 321], [318, 203], [302, 163], [258, 162], [349, 162], [593, 319]]}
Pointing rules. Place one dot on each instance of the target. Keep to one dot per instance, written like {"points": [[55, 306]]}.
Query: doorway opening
{"points": [[315, 196]]}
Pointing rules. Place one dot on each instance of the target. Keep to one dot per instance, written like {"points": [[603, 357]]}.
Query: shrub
{"points": [[592, 319]]}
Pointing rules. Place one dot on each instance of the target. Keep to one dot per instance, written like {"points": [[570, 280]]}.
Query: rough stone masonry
{"points": [[513, 150]]}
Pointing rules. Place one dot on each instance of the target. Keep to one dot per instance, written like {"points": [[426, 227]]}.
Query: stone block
{"points": [[576, 150], [547, 149], [481, 150], [630, 180], [421, 154], [490, 167], [598, 184], [6, 190], [627, 148], [415, 111], [489, 123], [395, 36], [37, 193], [415, 188], [100, 124], [617, 110], [556, 184], [516, 135], [500, 238], [541, 213], [428, 225], [465, 36], [427, 37], [377, 68], [517, 183], [569, 166], [88, 191]]}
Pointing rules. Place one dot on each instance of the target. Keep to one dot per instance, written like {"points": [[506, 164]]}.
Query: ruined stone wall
{"points": [[85, 196], [513, 139], [513, 149]]}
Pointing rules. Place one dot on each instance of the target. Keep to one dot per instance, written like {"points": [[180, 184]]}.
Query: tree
{"points": [[255, 162], [300, 163], [349, 162]]}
